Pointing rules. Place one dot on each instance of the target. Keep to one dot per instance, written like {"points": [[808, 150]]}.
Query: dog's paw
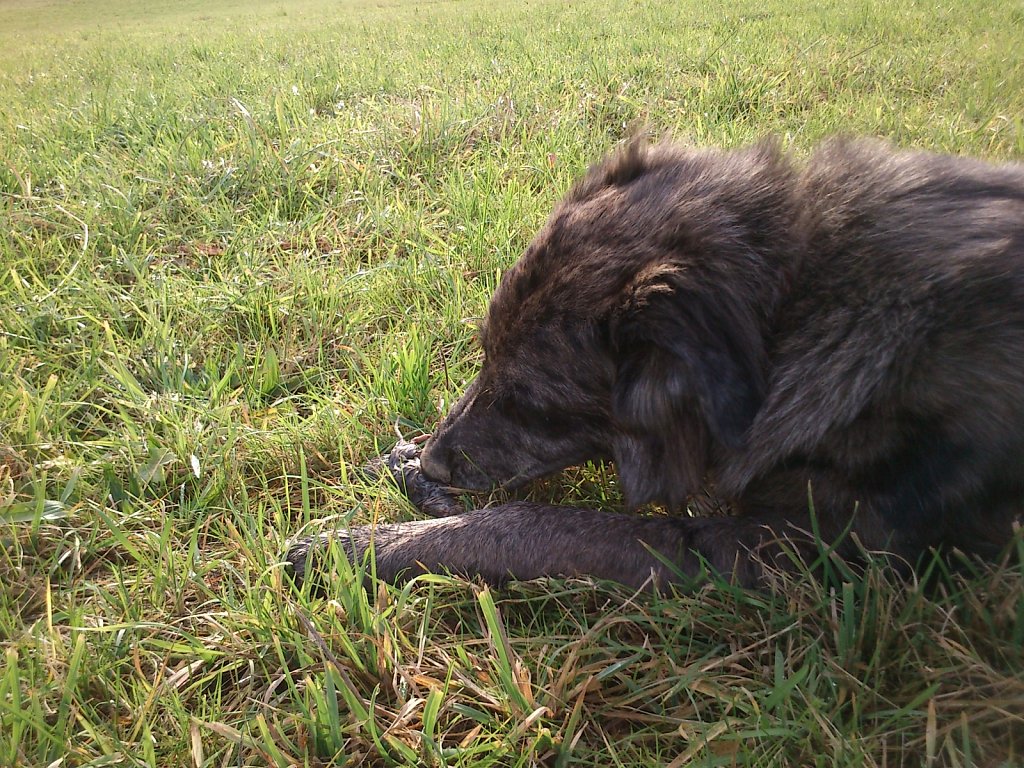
{"points": [[402, 465], [295, 559], [303, 556]]}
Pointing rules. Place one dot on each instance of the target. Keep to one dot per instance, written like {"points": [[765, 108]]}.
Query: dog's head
{"points": [[632, 328]]}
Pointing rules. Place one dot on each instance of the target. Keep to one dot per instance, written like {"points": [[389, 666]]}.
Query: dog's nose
{"points": [[433, 467]]}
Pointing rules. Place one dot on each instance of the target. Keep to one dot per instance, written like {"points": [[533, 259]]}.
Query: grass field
{"points": [[241, 241]]}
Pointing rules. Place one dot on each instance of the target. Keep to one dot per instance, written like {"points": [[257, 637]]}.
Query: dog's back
{"points": [[897, 366]]}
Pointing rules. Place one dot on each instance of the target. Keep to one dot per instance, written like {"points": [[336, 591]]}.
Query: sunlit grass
{"points": [[240, 243]]}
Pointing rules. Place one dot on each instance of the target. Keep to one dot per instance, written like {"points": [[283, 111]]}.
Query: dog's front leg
{"points": [[520, 541]]}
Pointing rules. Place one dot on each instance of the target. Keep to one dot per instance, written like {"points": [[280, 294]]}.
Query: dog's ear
{"points": [[688, 379]]}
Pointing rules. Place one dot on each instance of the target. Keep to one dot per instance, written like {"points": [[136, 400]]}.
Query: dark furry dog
{"points": [[846, 335]]}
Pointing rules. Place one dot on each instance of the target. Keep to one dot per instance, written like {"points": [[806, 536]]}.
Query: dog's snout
{"points": [[433, 465]]}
